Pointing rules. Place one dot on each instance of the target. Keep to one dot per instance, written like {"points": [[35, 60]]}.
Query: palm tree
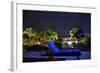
{"points": [[76, 32], [73, 32]]}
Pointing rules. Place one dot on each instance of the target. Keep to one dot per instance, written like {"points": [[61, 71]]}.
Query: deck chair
{"points": [[66, 52]]}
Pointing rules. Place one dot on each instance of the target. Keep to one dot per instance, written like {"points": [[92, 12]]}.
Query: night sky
{"points": [[61, 22]]}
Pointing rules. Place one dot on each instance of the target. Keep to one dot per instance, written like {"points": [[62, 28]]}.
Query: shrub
{"points": [[58, 44]]}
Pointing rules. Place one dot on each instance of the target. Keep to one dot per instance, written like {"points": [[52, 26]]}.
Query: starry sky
{"points": [[61, 22]]}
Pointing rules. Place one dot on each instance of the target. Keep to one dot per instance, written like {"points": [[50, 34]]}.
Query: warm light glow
{"points": [[69, 42], [76, 41], [38, 43]]}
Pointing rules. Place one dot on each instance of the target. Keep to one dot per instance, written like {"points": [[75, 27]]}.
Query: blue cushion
{"points": [[53, 47], [70, 51]]}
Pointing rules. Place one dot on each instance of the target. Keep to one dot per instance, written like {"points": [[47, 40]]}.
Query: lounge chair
{"points": [[66, 52]]}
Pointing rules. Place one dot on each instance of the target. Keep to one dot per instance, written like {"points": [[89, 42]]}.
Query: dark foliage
{"points": [[58, 44]]}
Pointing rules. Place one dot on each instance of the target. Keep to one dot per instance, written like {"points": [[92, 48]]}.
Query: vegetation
{"points": [[76, 32], [33, 39], [80, 37], [51, 35], [73, 32], [58, 44], [29, 36], [86, 42]]}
